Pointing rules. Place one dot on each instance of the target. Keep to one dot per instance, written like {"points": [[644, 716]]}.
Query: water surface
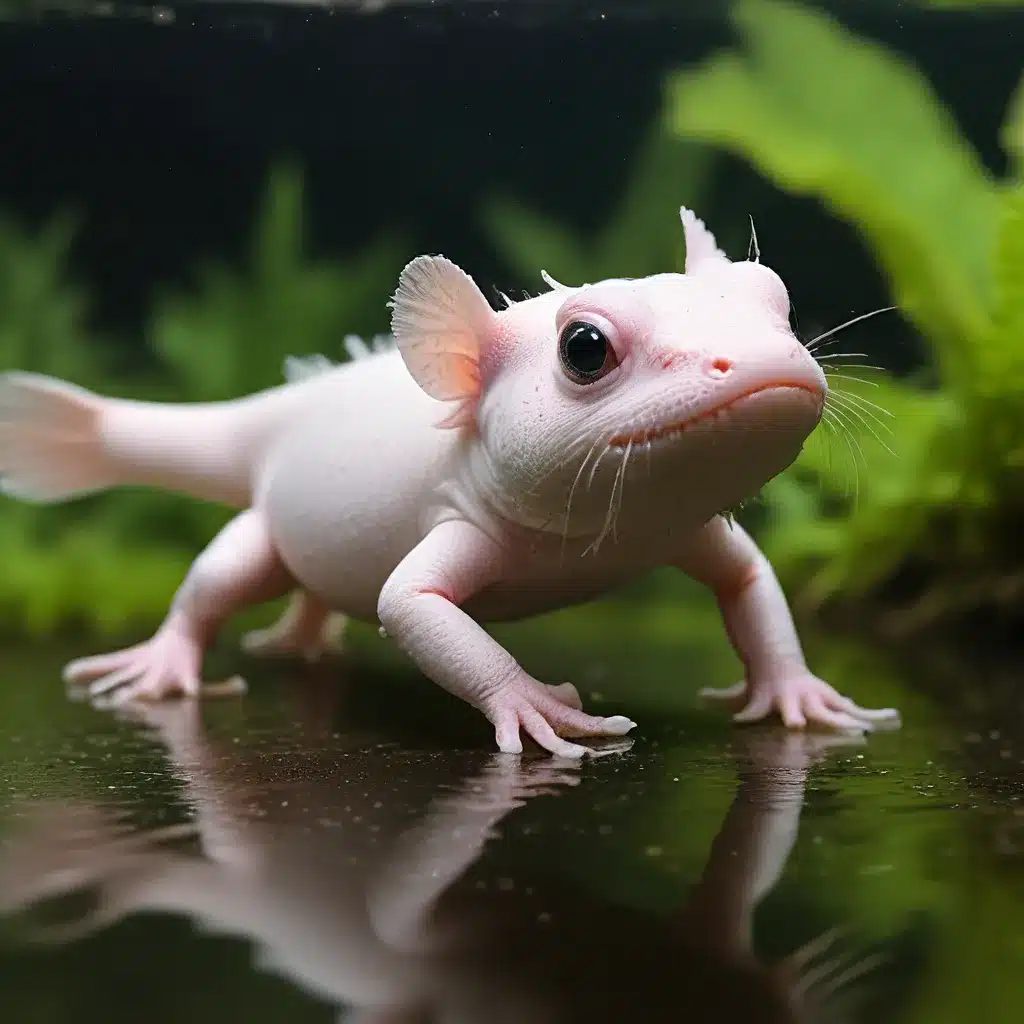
{"points": [[342, 844]]}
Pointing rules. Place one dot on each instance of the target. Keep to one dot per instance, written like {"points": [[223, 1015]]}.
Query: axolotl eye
{"points": [[585, 353]]}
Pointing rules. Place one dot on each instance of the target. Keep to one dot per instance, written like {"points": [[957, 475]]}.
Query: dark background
{"points": [[161, 134]]}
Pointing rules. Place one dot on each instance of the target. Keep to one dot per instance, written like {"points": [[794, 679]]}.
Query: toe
{"points": [[791, 711], [540, 730], [332, 636], [236, 686], [567, 721], [617, 725], [759, 708], [256, 641], [84, 670], [724, 695], [840, 703], [113, 680], [506, 731], [820, 714], [567, 694]]}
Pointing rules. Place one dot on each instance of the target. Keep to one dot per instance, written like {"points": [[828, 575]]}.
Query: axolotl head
{"points": [[682, 394]]}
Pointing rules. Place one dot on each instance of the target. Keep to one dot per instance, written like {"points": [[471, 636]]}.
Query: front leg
{"points": [[761, 629], [419, 607]]}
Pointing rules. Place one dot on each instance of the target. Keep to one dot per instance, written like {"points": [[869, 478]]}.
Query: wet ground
{"points": [[342, 845]]}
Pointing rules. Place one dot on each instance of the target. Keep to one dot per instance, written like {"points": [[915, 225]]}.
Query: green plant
{"points": [[823, 113]]}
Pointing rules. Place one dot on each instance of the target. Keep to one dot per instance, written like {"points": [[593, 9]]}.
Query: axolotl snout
{"points": [[489, 465]]}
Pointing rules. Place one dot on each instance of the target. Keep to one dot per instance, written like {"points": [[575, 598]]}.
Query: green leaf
{"points": [[824, 113]]}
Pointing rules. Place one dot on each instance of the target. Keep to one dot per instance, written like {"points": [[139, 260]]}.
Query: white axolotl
{"points": [[487, 466]]}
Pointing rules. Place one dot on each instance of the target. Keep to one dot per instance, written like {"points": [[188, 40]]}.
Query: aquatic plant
{"points": [[823, 113], [110, 563]]}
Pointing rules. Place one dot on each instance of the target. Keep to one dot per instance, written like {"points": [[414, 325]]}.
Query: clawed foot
{"points": [[302, 631], [800, 701], [165, 666], [547, 713]]}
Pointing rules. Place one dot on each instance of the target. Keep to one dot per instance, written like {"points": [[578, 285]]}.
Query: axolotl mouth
{"points": [[666, 431]]}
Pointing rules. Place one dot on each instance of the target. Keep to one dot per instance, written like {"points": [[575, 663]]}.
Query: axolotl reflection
{"points": [[382, 918]]}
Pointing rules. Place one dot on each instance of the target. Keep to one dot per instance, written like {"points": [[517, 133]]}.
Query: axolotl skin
{"points": [[488, 466]]}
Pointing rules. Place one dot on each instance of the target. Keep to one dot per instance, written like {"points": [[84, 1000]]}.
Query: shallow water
{"points": [[342, 842]]}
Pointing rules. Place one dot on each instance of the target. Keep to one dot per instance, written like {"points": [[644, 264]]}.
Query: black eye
{"points": [[586, 353]]}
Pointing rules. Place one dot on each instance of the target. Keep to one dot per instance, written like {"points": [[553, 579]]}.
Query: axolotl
{"points": [[488, 465]]}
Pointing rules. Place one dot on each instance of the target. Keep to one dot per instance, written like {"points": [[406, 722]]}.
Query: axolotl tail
{"points": [[59, 441]]}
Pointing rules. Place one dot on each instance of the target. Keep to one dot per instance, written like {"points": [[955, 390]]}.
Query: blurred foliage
{"points": [[823, 113], [110, 563]]}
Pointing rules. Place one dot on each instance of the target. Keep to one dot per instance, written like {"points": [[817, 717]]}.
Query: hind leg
{"points": [[240, 568], [307, 628]]}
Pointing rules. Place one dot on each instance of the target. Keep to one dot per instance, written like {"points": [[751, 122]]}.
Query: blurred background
{"points": [[190, 193]]}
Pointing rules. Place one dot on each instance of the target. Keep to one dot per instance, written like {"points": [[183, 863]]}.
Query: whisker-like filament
{"points": [[837, 427], [816, 342], [830, 375], [865, 416], [593, 469], [843, 427], [831, 368], [854, 971], [822, 971], [806, 953], [861, 400], [862, 411], [599, 540], [622, 489], [859, 415], [832, 432], [849, 430], [572, 492]]}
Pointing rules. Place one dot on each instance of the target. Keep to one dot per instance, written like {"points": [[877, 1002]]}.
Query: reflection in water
{"points": [[375, 909]]}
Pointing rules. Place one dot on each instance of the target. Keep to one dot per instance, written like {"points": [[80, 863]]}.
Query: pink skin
{"points": [[493, 465]]}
